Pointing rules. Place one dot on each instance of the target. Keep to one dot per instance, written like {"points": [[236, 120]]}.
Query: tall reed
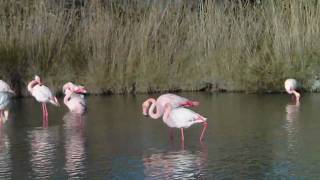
{"points": [[130, 47]]}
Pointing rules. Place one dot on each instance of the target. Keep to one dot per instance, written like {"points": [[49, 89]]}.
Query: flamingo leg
{"points": [[205, 126], [43, 116], [1, 116], [182, 135], [45, 107]]}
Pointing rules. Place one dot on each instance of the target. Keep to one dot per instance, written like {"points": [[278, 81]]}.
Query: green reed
{"points": [[130, 48]]}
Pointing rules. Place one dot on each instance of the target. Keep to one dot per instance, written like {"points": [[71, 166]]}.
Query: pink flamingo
{"points": [[151, 105], [74, 100], [183, 118], [291, 86], [5, 97], [42, 94]]}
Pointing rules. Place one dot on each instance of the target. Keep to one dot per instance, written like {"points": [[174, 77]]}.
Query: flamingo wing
{"points": [[184, 118], [42, 93], [4, 100]]}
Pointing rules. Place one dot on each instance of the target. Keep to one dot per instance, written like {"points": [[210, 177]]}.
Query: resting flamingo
{"points": [[151, 105], [42, 94], [5, 97], [291, 86], [183, 118], [74, 99]]}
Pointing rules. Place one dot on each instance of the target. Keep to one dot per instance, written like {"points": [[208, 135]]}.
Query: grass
{"points": [[122, 47]]}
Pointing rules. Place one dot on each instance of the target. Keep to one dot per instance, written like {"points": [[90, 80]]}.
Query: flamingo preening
{"points": [[5, 98], [291, 86], [74, 98], [42, 94], [183, 118], [155, 108]]}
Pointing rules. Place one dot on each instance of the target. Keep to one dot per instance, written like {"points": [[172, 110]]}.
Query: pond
{"points": [[249, 136]]}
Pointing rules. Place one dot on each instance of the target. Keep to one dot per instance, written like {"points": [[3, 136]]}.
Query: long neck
{"points": [[167, 111], [67, 98], [155, 107], [32, 84]]}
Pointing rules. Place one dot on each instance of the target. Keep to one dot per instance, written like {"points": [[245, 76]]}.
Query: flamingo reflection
{"points": [[180, 164], [74, 144], [292, 113], [5, 156], [43, 147]]}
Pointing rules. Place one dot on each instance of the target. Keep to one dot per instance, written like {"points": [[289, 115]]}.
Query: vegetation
{"points": [[132, 47]]}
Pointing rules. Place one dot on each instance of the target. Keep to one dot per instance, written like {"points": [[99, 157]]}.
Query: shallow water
{"points": [[249, 137]]}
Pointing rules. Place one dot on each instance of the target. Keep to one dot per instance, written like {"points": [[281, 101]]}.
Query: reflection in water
{"points": [[74, 145], [179, 164], [5, 161], [43, 147], [292, 111]]}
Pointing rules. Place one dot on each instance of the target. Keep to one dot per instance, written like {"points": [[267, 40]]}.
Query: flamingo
{"points": [[183, 118], [291, 86], [5, 97], [74, 101], [150, 105], [42, 94]]}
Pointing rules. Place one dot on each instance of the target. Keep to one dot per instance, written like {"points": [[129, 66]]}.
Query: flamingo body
{"points": [[183, 118], [291, 86], [75, 103], [5, 98], [43, 94]]}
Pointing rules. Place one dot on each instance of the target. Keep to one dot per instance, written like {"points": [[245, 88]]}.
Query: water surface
{"points": [[249, 137]]}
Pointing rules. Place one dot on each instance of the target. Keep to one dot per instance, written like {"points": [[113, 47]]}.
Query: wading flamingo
{"points": [[291, 86], [183, 118], [42, 94], [155, 107], [74, 100], [5, 97]]}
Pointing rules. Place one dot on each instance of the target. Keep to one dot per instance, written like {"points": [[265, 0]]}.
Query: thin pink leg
{"points": [[205, 125], [43, 116], [1, 116], [46, 110], [182, 135]]}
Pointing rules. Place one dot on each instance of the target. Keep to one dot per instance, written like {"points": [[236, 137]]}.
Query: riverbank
{"points": [[141, 48]]}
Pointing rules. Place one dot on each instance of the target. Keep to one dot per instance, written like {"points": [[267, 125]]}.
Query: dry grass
{"points": [[124, 48]]}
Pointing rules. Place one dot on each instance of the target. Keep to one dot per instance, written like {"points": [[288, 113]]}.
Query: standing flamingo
{"points": [[183, 118], [42, 94], [5, 97], [75, 101], [151, 105], [291, 86]]}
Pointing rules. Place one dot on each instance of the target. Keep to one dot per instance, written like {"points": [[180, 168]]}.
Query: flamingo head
{"points": [[67, 86], [145, 108], [37, 78]]}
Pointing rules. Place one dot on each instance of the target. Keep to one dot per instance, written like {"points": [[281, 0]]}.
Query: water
{"points": [[249, 137]]}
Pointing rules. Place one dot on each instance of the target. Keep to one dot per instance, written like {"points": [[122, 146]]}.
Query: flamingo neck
{"points": [[167, 111], [155, 107], [67, 97], [32, 84], [297, 95]]}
